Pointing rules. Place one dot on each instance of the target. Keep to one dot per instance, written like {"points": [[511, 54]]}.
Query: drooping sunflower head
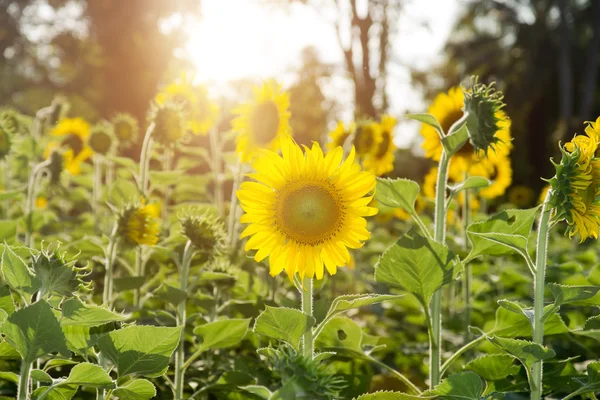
{"points": [[125, 128], [575, 189], [367, 137], [339, 135], [72, 135], [200, 112], [305, 210], [169, 125], [381, 159], [483, 104], [139, 223], [59, 109], [102, 138], [205, 231], [4, 140], [262, 123]]}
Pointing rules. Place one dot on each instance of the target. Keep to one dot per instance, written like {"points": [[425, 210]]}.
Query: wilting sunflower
{"points": [[201, 114], [448, 108], [338, 136], [576, 185], [521, 196], [262, 123], [381, 159], [306, 210], [138, 224], [73, 134]]}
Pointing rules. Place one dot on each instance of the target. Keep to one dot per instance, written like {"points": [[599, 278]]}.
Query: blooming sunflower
{"points": [[138, 224], [262, 123], [201, 113], [74, 133], [367, 137], [306, 209], [448, 108], [497, 169], [338, 136], [381, 160], [576, 185]]}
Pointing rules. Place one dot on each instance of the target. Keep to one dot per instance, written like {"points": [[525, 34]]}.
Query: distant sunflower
{"points": [[381, 160], [201, 113], [448, 108], [306, 210], [74, 134], [521, 196], [498, 170], [262, 123], [125, 128], [576, 185], [339, 135], [367, 137], [138, 224]]}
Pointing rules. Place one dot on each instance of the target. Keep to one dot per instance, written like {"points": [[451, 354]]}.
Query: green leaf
{"points": [[138, 389], [501, 234], [397, 193], [8, 352], [222, 334], [86, 374], [461, 386], [170, 294], [386, 395], [427, 119], [455, 140], [129, 283], [564, 294], [513, 324], [37, 375], [6, 300], [525, 351], [591, 383], [123, 192], [9, 377], [18, 275], [74, 312], [349, 301], [493, 367], [340, 333], [419, 265], [34, 331], [472, 182], [260, 391], [55, 393], [141, 350], [8, 230], [283, 323]]}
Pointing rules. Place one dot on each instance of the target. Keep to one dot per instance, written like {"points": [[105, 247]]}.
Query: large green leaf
{"points": [[54, 393], [578, 295], [503, 233], [397, 193], [6, 301], [8, 352], [8, 230], [493, 367], [419, 265], [18, 275], [340, 333], [91, 375], [472, 182], [140, 350], [222, 334], [34, 331], [525, 351], [461, 386], [427, 119], [349, 301], [74, 312], [455, 139], [511, 324], [285, 324], [591, 383], [138, 389]]}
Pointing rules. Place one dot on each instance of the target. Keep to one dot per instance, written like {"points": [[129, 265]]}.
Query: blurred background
{"points": [[339, 59]]}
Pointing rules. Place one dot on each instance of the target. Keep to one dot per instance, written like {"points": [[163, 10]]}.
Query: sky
{"points": [[262, 41]]}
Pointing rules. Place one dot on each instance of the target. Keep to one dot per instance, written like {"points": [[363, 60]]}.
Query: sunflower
{"points": [[201, 113], [498, 170], [448, 108], [126, 128], [381, 160], [262, 123], [543, 194], [521, 196], [74, 133], [576, 185], [138, 224], [306, 209], [339, 135], [367, 137]]}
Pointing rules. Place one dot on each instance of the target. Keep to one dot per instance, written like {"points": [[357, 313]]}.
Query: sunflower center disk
{"points": [[364, 139], [383, 147], [309, 214], [265, 122], [74, 142]]}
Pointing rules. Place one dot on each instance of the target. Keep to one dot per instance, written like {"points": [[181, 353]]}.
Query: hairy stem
{"points": [[181, 319], [216, 167], [307, 308], [24, 384], [468, 288]]}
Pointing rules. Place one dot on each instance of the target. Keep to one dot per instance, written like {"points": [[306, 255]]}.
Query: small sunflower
{"points": [[262, 123], [41, 202], [521, 196], [367, 137], [138, 224], [168, 123], [205, 232], [101, 138], [306, 210], [339, 135], [201, 114], [125, 128], [576, 185], [74, 134], [381, 160]]}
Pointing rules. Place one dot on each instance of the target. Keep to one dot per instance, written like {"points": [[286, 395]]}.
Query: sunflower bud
{"points": [[205, 232], [56, 166], [59, 108], [168, 123], [4, 141], [101, 138], [125, 128], [483, 106], [138, 224]]}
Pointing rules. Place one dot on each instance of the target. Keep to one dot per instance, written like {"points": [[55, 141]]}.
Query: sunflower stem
{"points": [[145, 160], [139, 271], [6, 186], [181, 319], [24, 384], [216, 167], [31, 190], [167, 166], [109, 264], [96, 190], [231, 224], [307, 308], [538, 301], [436, 302], [468, 289]]}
